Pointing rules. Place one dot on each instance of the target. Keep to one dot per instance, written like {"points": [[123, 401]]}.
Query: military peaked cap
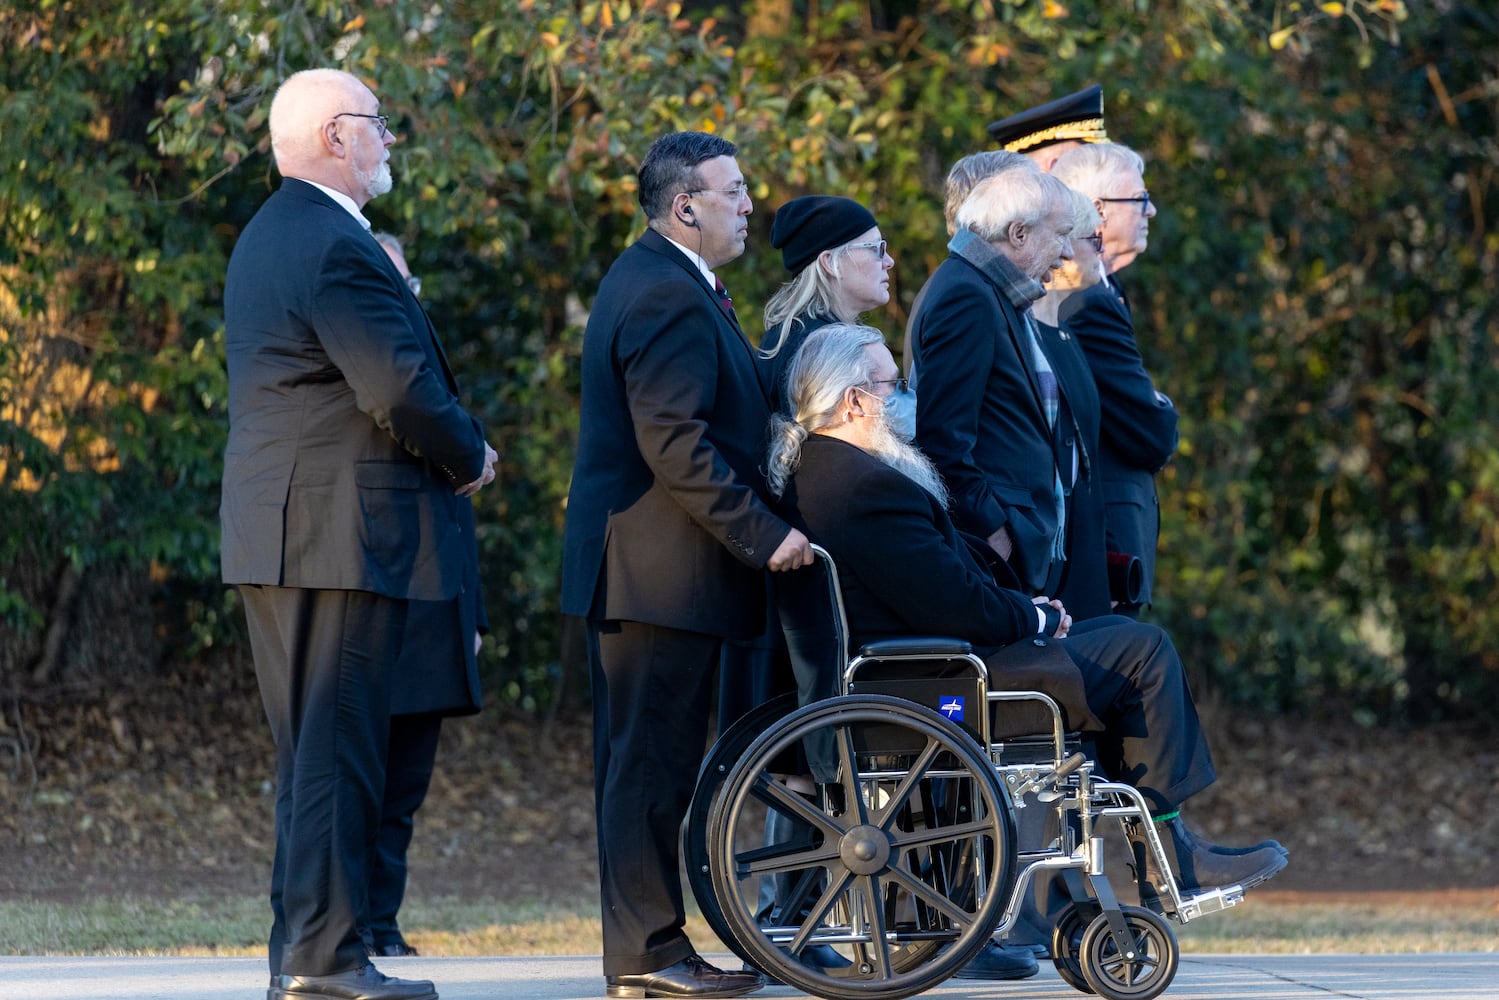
{"points": [[1077, 116]]}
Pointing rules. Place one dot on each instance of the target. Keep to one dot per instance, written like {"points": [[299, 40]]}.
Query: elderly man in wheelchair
{"points": [[876, 504]]}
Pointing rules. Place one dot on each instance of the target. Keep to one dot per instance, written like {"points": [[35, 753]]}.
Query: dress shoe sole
{"points": [[995, 978], [275, 993], [642, 992]]}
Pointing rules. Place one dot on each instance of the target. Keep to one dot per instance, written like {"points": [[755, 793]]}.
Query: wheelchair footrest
{"points": [[1209, 901]]}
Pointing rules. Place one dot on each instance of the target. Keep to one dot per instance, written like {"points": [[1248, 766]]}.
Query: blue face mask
{"points": [[900, 413]]}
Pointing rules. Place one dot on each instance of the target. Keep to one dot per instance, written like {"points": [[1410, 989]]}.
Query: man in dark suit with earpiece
{"points": [[347, 477], [667, 537]]}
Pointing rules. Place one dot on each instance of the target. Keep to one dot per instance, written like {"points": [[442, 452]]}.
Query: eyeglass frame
{"points": [[737, 192], [902, 384], [384, 120], [882, 246], [1143, 200], [1095, 240]]}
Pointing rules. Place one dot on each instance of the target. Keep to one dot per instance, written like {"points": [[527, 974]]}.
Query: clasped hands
{"points": [[485, 478]]}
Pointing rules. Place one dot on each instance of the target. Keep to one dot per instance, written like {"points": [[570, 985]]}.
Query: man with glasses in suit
{"points": [[667, 537], [347, 477], [1138, 423]]}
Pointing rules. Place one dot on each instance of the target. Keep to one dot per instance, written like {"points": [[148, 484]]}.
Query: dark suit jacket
{"points": [[1085, 585], [346, 437], [438, 671], [1138, 430], [665, 524], [980, 418], [905, 570]]}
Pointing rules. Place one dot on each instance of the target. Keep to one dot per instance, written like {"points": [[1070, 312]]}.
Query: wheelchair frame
{"points": [[906, 863]]}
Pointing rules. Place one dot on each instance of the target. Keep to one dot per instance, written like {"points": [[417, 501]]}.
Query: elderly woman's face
{"points": [[1084, 270], [864, 265]]}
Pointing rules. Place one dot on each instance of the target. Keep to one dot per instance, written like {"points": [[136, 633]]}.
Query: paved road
{"points": [[1470, 976]]}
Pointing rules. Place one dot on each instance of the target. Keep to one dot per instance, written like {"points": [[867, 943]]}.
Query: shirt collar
{"points": [[1019, 287], [343, 200], [692, 255]]}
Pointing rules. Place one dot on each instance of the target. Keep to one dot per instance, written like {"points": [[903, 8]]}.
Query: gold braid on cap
{"points": [[1087, 130]]}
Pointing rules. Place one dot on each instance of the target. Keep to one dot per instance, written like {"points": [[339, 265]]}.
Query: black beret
{"points": [[805, 227], [1077, 116]]}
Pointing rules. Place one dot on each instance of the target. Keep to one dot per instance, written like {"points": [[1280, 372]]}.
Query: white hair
{"points": [[995, 203], [971, 169], [832, 359], [1085, 217], [1095, 167], [303, 104]]}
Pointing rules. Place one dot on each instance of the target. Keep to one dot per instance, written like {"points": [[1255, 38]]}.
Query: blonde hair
{"points": [[813, 292]]}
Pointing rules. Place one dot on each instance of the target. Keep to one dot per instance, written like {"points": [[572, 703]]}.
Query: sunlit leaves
{"points": [[1316, 297]]}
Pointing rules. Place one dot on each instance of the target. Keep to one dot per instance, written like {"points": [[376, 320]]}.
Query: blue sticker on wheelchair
{"points": [[951, 705]]}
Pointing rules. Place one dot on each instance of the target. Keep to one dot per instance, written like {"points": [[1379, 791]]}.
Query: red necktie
{"points": [[724, 300]]}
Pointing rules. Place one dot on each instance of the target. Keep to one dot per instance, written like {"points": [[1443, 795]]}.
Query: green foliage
{"points": [[1317, 299]]}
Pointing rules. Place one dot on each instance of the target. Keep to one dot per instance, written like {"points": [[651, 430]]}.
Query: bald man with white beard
{"points": [[347, 477]]}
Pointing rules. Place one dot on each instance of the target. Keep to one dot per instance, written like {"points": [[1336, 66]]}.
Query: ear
{"points": [[1017, 232], [681, 209], [829, 265], [853, 401], [332, 141]]}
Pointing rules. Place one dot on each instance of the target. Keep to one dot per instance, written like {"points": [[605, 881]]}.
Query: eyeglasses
{"points": [[382, 119], [734, 193], [1094, 240], [878, 246], [1143, 200], [414, 283], [901, 384]]}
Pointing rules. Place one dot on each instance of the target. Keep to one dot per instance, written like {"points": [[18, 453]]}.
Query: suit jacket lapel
{"points": [[655, 241]]}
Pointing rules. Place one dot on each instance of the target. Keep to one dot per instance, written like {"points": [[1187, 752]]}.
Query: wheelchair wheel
{"points": [[900, 873], [1140, 972], [728, 748], [1067, 943]]}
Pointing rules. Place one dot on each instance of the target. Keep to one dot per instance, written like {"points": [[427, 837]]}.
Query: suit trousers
{"points": [[408, 775], [652, 689], [1135, 684], [323, 660]]}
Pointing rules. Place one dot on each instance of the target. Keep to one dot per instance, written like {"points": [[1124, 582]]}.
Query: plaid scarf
{"points": [[1021, 289]]}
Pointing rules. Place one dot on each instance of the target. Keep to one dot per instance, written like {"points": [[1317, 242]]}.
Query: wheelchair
{"points": [[905, 861]]}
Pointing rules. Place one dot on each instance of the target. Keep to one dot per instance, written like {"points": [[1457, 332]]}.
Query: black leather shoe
{"points": [[368, 983], [1193, 836], [999, 961], [821, 957], [1196, 866], [690, 978]]}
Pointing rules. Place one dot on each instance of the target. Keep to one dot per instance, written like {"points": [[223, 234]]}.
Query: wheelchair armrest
{"points": [[917, 646]]}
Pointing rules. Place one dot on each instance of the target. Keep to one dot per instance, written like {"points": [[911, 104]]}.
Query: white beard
{"points": [[375, 182], [907, 459]]}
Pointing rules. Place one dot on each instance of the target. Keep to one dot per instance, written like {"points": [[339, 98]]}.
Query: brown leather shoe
{"points": [[688, 979], [367, 983]]}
